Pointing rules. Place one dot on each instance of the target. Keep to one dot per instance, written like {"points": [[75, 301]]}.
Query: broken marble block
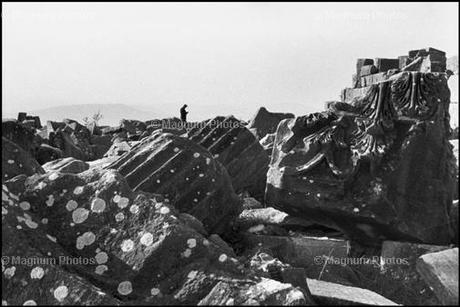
{"points": [[265, 122], [327, 293], [233, 145], [186, 173], [120, 247], [378, 169], [440, 272], [398, 265]]}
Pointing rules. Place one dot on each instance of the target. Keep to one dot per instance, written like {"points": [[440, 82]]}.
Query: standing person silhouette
{"points": [[183, 113]]}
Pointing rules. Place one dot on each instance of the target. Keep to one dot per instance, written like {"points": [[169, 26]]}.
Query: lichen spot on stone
{"points": [[125, 288], [9, 272], [24, 205], [101, 257], [31, 224], [223, 258], [37, 273], [187, 253], [98, 205], [147, 239], [116, 198], [100, 269], [71, 205], [61, 293], [85, 239], [50, 201], [164, 210], [80, 215], [123, 202], [155, 291], [127, 245], [192, 274], [134, 209], [191, 242], [119, 217], [78, 190]]}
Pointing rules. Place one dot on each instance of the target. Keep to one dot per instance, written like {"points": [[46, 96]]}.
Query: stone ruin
{"points": [[240, 215], [378, 164]]}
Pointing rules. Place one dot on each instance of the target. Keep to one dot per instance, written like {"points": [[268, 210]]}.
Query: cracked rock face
{"points": [[379, 167]]}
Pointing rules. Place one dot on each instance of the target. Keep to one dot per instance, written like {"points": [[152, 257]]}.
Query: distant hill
{"points": [[111, 113]]}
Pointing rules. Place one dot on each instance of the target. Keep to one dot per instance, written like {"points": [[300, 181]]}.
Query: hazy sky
{"points": [[229, 56]]}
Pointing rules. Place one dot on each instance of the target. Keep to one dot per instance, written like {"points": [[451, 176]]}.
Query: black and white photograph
{"points": [[230, 153]]}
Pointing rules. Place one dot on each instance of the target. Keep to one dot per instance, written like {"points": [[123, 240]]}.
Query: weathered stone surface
{"points": [[142, 253], [16, 161], [269, 216], [425, 52], [440, 271], [237, 149], [373, 171], [251, 203], [133, 126], [66, 165], [348, 94], [404, 284], [46, 153], [362, 62], [327, 293], [185, 173], [299, 251], [270, 267], [171, 125], [368, 70], [265, 122], [265, 292], [35, 269], [376, 78], [21, 135], [118, 149], [267, 143], [386, 64]]}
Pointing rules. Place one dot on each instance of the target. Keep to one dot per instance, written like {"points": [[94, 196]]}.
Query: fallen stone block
{"points": [[398, 265], [384, 65], [327, 293], [299, 251], [265, 122], [440, 272], [368, 70]]}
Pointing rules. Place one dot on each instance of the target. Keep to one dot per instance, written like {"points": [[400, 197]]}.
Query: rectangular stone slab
{"points": [[324, 292], [300, 251], [440, 271]]}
